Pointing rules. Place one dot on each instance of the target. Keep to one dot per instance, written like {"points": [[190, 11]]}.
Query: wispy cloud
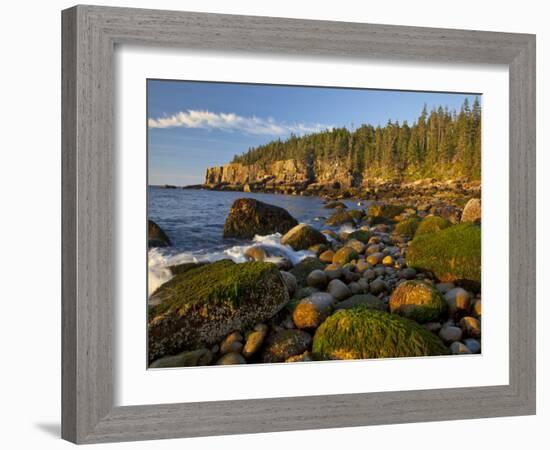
{"points": [[233, 122]]}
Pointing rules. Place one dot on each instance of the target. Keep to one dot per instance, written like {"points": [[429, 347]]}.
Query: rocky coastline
{"points": [[399, 278]]}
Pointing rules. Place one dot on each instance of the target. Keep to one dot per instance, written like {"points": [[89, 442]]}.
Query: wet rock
{"points": [[156, 236], [327, 256], [303, 236], [249, 217], [345, 255], [338, 290]]}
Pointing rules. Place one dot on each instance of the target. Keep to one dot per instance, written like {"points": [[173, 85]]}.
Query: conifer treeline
{"points": [[442, 144]]}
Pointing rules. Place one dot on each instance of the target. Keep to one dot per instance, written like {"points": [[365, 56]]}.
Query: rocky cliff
{"points": [[285, 176]]}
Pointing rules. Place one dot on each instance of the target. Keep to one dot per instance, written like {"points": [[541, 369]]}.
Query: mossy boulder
{"points": [[341, 217], [303, 236], [304, 268], [156, 237], [431, 224], [418, 300], [407, 227], [385, 211], [452, 254], [362, 333], [365, 300], [249, 217], [178, 269], [360, 235], [201, 306], [345, 255]]}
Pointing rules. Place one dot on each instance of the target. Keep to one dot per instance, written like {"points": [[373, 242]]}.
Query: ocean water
{"points": [[194, 220]]}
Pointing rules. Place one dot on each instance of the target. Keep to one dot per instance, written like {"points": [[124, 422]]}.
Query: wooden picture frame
{"points": [[90, 34]]}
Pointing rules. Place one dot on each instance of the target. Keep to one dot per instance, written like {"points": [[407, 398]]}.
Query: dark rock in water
{"points": [[362, 333], [203, 305], [341, 217], [333, 205], [156, 236], [303, 236], [249, 217], [452, 254], [282, 345], [304, 268]]}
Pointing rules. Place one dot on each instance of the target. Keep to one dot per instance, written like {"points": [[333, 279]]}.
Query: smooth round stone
{"points": [[355, 288], [473, 345], [387, 261], [305, 292], [326, 256], [350, 276], [230, 359], [290, 282], [458, 300], [256, 253], [232, 343], [471, 327], [338, 290], [312, 311], [369, 274], [375, 248], [377, 286], [374, 258], [449, 334], [434, 327], [254, 342], [444, 287], [334, 274], [358, 246], [318, 279], [408, 273], [363, 284], [380, 271], [362, 265], [458, 348], [476, 309]]}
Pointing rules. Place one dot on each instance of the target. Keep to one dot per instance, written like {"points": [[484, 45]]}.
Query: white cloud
{"points": [[232, 122]]}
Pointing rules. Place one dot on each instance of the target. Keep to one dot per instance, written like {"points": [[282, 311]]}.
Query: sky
{"points": [[196, 125]]}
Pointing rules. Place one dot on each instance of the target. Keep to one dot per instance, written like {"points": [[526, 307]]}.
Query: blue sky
{"points": [[195, 125]]}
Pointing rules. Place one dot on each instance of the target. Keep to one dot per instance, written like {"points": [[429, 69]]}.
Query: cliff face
{"points": [[279, 175]]}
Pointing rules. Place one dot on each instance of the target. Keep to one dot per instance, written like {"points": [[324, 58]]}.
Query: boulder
{"points": [[303, 236], [203, 305], [417, 300], [283, 344], [249, 217], [156, 236], [361, 333], [345, 255], [311, 311], [472, 211], [341, 217], [367, 300], [458, 301], [431, 224], [452, 254]]}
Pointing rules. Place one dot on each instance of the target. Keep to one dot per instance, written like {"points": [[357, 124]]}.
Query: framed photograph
{"points": [[277, 224]]}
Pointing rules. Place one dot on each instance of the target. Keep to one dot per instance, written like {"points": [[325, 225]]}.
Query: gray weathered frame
{"points": [[89, 37]]}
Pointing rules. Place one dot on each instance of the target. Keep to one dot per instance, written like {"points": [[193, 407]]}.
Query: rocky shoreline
{"points": [[400, 278]]}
